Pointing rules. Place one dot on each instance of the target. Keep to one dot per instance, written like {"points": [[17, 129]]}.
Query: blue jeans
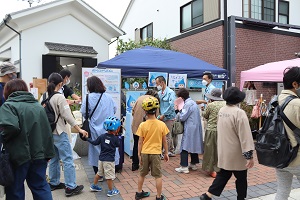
{"points": [[63, 152], [34, 172]]}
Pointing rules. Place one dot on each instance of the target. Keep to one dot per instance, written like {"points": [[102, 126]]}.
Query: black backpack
{"points": [[273, 146], [49, 110]]}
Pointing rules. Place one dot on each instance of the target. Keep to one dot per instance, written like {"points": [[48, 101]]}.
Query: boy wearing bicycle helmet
{"points": [[109, 142], [152, 134]]}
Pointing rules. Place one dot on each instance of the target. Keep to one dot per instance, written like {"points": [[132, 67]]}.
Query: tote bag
{"points": [[256, 111], [86, 123], [6, 170]]}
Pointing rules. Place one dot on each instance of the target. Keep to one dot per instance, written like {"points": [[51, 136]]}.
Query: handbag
{"points": [[86, 122], [256, 111], [177, 127], [6, 170]]}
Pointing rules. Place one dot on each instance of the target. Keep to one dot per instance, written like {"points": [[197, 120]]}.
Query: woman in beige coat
{"points": [[235, 146]]}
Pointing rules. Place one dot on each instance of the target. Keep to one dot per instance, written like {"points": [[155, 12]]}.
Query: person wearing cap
{"points": [[8, 72], [210, 156], [191, 142], [235, 146]]}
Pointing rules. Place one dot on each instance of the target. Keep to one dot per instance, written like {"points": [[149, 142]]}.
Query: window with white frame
{"points": [[147, 32], [191, 14], [259, 9], [283, 12]]}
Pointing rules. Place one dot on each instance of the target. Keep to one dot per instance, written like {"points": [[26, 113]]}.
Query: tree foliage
{"points": [[125, 46]]}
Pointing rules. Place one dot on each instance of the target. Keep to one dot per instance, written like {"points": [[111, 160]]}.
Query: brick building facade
{"points": [[254, 46]]}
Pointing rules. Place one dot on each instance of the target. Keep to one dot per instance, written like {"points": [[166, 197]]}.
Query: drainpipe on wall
{"points": [[117, 39], [20, 39], [225, 38]]}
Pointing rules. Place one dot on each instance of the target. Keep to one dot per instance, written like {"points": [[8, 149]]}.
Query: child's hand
{"points": [[166, 157]]}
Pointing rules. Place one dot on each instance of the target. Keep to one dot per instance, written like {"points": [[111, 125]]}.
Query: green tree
{"points": [[125, 46]]}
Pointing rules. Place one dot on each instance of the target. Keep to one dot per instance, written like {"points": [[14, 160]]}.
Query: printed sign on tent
{"points": [[152, 77], [177, 80], [131, 97]]}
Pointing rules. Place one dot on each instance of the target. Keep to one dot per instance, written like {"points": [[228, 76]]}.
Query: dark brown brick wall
{"points": [[254, 48], [206, 45]]}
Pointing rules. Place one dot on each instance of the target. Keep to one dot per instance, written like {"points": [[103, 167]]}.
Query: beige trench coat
{"points": [[292, 111], [234, 138]]}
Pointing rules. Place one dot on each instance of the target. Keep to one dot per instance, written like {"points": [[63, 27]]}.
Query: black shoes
{"points": [[56, 187], [204, 197], [77, 190], [162, 197], [140, 195], [134, 167]]}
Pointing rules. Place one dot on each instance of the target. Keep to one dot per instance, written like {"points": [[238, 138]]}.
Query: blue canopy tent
{"points": [[139, 62]]}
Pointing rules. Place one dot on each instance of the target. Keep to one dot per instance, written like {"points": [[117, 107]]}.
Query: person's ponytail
{"points": [[50, 88], [53, 80]]}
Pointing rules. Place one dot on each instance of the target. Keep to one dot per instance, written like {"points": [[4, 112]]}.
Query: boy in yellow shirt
{"points": [[152, 134]]}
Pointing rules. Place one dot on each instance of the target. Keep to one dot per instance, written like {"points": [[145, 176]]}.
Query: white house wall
{"points": [[13, 43], [294, 12], [165, 16], [65, 30], [234, 7]]}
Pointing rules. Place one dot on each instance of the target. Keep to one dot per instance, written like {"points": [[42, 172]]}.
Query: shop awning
{"points": [[270, 72]]}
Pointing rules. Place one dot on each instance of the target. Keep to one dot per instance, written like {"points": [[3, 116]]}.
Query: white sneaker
{"points": [[193, 167], [182, 170]]}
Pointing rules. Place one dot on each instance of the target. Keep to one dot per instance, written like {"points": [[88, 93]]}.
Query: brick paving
{"points": [[261, 181]]}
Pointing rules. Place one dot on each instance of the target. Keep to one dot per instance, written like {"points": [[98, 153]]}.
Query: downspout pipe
{"points": [[225, 39], [20, 50]]}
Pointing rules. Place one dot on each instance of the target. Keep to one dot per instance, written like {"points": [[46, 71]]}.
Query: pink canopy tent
{"points": [[270, 72]]}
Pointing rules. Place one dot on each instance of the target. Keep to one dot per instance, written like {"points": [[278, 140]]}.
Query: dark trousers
{"points": [[95, 169], [34, 172], [135, 157], [184, 156], [222, 178]]}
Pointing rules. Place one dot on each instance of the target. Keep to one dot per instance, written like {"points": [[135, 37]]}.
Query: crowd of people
{"points": [[227, 146]]}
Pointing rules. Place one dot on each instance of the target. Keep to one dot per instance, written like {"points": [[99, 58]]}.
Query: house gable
{"points": [[28, 18]]}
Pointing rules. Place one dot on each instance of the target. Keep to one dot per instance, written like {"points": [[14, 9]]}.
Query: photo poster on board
{"points": [[177, 80], [131, 97], [152, 76], [111, 79]]}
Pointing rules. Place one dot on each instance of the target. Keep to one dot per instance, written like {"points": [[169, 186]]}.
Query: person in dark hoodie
{"points": [[27, 137]]}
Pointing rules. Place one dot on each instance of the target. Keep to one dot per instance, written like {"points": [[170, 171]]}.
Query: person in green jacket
{"points": [[27, 137]]}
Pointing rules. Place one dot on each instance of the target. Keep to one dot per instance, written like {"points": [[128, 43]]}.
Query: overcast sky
{"points": [[111, 9]]}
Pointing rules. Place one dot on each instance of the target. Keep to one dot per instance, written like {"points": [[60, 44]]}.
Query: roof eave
{"points": [[6, 19], [126, 13]]}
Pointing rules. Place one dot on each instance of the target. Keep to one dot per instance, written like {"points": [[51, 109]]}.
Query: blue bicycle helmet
{"points": [[111, 123]]}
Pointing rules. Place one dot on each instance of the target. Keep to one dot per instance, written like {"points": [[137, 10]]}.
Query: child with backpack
{"points": [[152, 134], [109, 142]]}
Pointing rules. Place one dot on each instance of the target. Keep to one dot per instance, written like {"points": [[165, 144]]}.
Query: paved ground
{"points": [[262, 183]]}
